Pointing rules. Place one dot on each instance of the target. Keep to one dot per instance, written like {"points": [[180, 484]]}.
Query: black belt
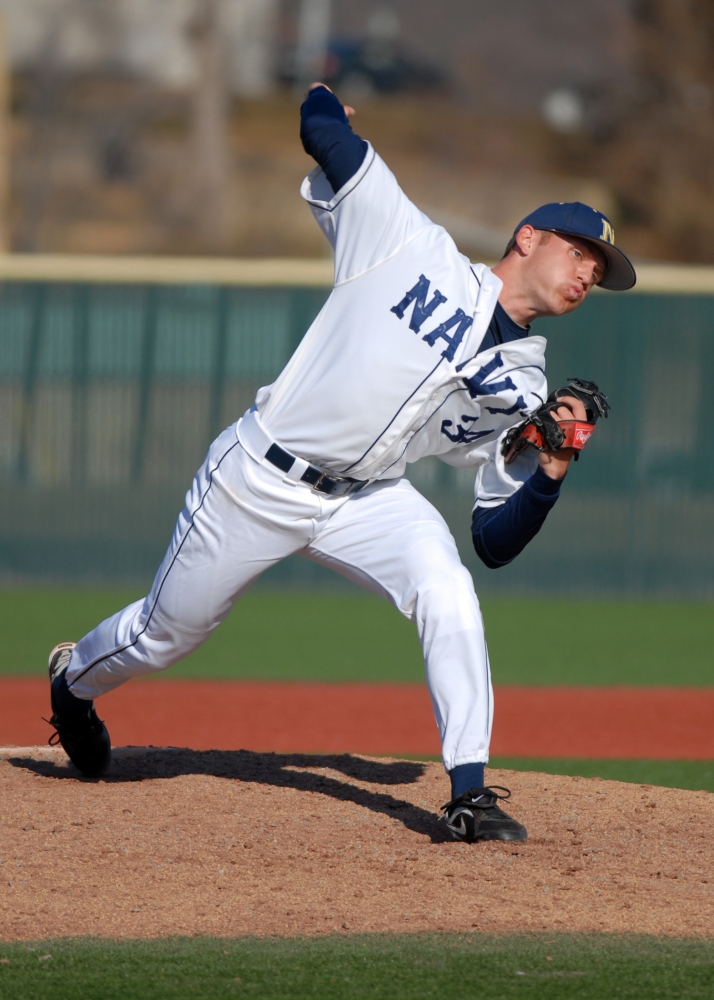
{"points": [[335, 486]]}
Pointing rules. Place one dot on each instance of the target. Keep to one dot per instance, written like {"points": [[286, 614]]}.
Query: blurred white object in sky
{"points": [[383, 23], [313, 37], [563, 110], [147, 37]]}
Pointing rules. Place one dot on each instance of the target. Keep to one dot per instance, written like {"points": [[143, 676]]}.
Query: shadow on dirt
{"points": [[303, 772]]}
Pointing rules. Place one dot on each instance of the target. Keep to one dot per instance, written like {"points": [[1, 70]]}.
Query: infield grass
{"points": [[384, 967], [697, 775], [321, 636]]}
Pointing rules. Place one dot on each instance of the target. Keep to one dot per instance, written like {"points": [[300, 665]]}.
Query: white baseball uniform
{"points": [[388, 372]]}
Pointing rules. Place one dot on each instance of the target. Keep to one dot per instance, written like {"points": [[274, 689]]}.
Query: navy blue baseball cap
{"points": [[572, 218]]}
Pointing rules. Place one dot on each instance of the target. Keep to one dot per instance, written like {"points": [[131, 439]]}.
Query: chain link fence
{"points": [[111, 393]]}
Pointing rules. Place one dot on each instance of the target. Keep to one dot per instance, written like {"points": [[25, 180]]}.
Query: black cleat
{"points": [[475, 815], [80, 731]]}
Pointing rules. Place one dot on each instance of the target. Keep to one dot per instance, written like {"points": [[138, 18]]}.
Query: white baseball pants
{"points": [[243, 515]]}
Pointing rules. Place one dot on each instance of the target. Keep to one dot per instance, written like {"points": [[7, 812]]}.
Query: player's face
{"points": [[562, 271]]}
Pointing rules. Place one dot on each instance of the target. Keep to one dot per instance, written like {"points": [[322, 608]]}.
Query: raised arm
{"points": [[354, 196]]}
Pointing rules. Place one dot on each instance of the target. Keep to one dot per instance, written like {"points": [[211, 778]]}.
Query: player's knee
{"points": [[194, 613], [166, 641], [447, 592]]}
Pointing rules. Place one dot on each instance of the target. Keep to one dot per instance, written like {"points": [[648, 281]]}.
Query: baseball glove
{"points": [[542, 431]]}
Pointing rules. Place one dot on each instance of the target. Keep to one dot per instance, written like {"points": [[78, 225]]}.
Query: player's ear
{"points": [[525, 240]]}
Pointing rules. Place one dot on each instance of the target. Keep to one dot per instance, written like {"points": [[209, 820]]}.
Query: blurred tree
{"points": [[209, 129], [46, 98], [660, 159], [313, 36], [4, 142]]}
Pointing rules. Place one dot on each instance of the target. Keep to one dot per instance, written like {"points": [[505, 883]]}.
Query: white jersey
{"points": [[388, 372]]}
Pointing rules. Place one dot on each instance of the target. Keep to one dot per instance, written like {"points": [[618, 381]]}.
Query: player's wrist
{"points": [[554, 467], [545, 485]]}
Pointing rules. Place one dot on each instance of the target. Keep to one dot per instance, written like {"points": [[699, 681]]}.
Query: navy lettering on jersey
{"points": [[462, 322], [422, 309], [520, 404], [463, 435], [476, 385]]}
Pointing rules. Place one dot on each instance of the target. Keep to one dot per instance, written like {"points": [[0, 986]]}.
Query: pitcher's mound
{"points": [[232, 842]]}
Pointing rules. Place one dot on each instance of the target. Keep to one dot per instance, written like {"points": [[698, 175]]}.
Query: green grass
{"points": [[339, 637], [600, 642], [279, 636], [697, 775], [384, 967], [694, 774]]}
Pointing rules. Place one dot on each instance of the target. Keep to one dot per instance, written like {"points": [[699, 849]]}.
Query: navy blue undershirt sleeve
{"points": [[327, 137], [501, 533]]}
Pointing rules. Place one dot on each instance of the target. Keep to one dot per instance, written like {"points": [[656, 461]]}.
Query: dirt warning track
{"points": [[654, 723], [233, 843]]}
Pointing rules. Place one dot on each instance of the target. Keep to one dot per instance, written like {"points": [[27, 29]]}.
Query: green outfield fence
{"points": [[116, 374]]}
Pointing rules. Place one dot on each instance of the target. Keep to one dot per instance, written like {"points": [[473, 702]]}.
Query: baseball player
{"points": [[416, 352]]}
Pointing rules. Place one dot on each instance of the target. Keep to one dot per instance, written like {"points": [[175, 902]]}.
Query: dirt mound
{"points": [[234, 842]]}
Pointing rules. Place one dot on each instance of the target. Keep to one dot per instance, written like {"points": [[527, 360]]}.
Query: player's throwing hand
{"points": [[348, 109]]}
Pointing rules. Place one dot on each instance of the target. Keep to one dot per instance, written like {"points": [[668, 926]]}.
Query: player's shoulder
{"points": [[485, 278], [526, 354], [532, 347]]}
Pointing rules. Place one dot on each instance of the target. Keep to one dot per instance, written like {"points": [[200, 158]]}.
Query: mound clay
{"points": [[233, 843]]}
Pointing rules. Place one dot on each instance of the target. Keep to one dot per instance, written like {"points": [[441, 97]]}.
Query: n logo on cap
{"points": [[608, 233]]}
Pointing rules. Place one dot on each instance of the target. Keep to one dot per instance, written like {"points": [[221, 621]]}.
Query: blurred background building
{"points": [[170, 126]]}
